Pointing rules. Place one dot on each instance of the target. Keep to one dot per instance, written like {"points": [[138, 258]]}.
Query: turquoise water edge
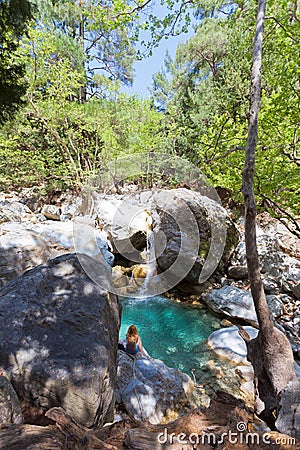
{"points": [[171, 331]]}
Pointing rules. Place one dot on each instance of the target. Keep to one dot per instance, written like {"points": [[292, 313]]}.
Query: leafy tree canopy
{"points": [[204, 93], [14, 16]]}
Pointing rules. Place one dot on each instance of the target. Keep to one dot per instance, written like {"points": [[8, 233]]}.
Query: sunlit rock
{"points": [[232, 302], [58, 340], [149, 390]]}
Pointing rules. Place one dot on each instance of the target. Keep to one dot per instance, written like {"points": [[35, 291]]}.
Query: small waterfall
{"points": [[150, 258]]}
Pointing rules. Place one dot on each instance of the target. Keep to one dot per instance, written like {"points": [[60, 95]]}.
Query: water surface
{"points": [[171, 331]]}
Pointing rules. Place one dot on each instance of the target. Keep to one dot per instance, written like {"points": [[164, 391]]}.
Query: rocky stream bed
{"points": [[59, 330]]}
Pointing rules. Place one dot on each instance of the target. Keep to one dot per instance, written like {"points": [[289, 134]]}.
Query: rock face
{"points": [[149, 390], [233, 302], [186, 216], [10, 411], [58, 340]]}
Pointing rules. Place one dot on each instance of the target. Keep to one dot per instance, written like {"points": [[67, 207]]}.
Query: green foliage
{"points": [[77, 55], [59, 147], [205, 96], [14, 15]]}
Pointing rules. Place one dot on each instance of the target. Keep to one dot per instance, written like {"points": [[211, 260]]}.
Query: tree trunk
{"points": [[270, 353], [82, 89]]}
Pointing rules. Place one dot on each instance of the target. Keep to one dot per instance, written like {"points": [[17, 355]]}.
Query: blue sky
{"points": [[145, 69]]}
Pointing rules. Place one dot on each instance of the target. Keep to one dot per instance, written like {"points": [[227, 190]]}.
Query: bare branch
{"points": [[93, 42], [137, 8], [281, 26]]}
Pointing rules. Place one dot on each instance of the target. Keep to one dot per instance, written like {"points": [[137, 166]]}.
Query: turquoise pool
{"points": [[171, 331]]}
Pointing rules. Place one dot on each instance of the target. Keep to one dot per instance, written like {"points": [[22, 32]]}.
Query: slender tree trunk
{"points": [[248, 177], [82, 89], [270, 353]]}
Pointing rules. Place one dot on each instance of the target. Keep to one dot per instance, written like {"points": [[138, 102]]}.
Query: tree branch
{"points": [[269, 202], [281, 26], [59, 141]]}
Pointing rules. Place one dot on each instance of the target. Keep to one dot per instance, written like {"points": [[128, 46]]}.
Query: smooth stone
{"points": [[238, 272], [228, 344]]}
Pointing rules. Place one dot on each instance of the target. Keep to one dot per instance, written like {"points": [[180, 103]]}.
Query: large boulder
{"points": [[14, 211], [233, 302], [124, 218], [25, 246], [185, 217], [228, 344], [58, 340], [149, 390], [20, 249]]}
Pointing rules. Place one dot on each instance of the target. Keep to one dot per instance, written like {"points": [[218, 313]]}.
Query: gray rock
{"points": [[58, 340], [68, 210], [10, 411], [296, 290], [189, 220], [124, 218], [288, 420], [278, 252], [51, 212], [270, 286], [297, 370], [20, 250], [13, 211], [7, 216], [149, 390], [23, 246], [228, 344], [238, 272], [275, 305], [232, 302]]}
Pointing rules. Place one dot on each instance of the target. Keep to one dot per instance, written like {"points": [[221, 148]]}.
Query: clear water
{"points": [[171, 331]]}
